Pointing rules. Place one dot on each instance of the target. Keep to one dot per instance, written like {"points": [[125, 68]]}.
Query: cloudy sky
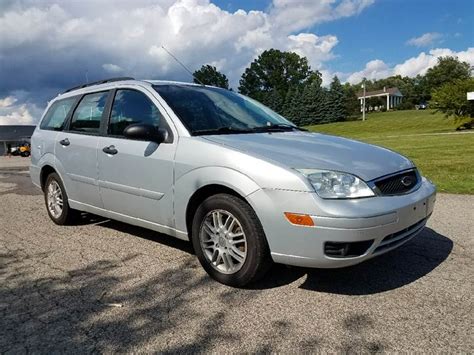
{"points": [[47, 46]]}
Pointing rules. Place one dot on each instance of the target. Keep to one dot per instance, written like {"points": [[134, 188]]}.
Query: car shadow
{"points": [[148, 234], [395, 269]]}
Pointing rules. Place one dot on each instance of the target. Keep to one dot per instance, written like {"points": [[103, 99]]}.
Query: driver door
{"points": [[136, 177]]}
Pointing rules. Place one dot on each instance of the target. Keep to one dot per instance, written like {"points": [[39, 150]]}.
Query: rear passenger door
{"points": [[136, 180], [76, 150]]}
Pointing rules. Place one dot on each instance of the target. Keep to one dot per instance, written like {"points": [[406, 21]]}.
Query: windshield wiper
{"points": [[221, 130], [279, 127]]}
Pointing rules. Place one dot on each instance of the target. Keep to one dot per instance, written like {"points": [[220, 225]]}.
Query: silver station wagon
{"points": [[243, 184]]}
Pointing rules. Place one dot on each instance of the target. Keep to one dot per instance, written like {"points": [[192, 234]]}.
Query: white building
{"points": [[393, 97]]}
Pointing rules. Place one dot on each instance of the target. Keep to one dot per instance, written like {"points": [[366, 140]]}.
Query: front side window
{"points": [[130, 107], [208, 110], [56, 115], [88, 113]]}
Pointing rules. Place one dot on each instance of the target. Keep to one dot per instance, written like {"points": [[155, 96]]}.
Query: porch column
{"points": [[388, 102]]}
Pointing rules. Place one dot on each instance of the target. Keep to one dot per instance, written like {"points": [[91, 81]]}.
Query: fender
{"points": [[68, 184], [187, 184], [35, 170]]}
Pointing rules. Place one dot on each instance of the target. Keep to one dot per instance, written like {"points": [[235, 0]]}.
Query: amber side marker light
{"points": [[299, 219]]}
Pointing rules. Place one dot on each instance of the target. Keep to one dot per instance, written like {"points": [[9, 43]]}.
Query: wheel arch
{"points": [[46, 170], [195, 186], [200, 195]]}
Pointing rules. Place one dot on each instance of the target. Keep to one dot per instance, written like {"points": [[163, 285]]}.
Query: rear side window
{"points": [[88, 114], [56, 115], [129, 107]]}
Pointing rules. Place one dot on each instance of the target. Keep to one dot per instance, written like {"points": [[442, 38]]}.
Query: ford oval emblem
{"points": [[407, 181]]}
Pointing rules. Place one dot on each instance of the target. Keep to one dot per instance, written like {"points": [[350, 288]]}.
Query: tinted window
{"points": [[130, 107], [88, 113], [56, 115], [206, 108]]}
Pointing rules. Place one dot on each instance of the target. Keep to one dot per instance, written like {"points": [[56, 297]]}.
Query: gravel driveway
{"points": [[104, 286]]}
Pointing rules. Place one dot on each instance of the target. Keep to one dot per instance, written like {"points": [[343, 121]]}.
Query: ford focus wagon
{"points": [[243, 184]]}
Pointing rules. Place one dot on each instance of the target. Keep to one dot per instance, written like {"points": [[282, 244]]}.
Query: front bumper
{"points": [[383, 222]]}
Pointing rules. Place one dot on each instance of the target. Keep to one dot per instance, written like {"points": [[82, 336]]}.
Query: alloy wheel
{"points": [[54, 199], [223, 241]]}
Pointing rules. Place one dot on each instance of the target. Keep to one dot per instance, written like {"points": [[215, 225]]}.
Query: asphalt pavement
{"points": [[104, 286]]}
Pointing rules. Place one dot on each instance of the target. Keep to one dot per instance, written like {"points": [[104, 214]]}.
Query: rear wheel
{"points": [[229, 240], [56, 200]]}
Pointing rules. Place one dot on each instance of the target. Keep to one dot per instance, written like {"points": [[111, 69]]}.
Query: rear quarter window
{"points": [[56, 116]]}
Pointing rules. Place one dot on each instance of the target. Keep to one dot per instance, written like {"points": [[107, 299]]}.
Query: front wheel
{"points": [[229, 240]]}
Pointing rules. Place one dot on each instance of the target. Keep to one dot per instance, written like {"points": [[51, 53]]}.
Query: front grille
{"points": [[398, 184], [400, 237]]}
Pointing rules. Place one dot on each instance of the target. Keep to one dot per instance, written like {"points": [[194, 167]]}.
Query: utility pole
{"points": [[363, 102]]}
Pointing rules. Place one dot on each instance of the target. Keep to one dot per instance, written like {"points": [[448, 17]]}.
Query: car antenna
{"points": [[185, 68]]}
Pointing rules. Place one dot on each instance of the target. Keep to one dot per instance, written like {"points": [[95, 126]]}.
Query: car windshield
{"points": [[209, 110]]}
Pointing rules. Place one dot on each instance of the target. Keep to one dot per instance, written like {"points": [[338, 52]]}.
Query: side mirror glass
{"points": [[146, 132]]}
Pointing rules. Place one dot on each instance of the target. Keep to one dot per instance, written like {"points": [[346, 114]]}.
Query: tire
{"points": [[64, 215], [237, 255]]}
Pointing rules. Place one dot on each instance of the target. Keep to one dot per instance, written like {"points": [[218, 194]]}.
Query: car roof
{"points": [[114, 82]]}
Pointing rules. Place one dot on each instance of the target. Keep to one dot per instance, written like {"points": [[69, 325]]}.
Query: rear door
{"points": [[76, 150], [137, 178]]}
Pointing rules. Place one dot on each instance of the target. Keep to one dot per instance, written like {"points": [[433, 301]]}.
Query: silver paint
{"points": [[150, 185]]}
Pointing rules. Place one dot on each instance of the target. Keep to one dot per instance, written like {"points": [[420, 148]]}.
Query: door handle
{"points": [[110, 150], [64, 142]]}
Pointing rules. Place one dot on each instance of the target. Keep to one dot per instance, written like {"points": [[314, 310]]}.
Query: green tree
{"points": [[448, 70], [451, 99], [312, 103], [335, 103], [351, 103], [292, 106], [275, 101], [209, 75], [274, 70]]}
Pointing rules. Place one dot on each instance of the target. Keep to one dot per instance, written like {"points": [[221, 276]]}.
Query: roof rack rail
{"points": [[123, 78]]}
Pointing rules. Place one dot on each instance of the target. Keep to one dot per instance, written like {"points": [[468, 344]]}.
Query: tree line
{"points": [[285, 82]]}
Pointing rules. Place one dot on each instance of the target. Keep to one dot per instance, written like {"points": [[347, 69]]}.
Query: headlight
{"points": [[334, 184]]}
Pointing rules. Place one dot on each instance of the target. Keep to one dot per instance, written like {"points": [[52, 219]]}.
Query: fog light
{"points": [[299, 219]]}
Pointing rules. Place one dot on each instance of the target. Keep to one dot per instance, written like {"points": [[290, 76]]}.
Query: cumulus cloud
{"points": [[425, 40], [424, 61], [377, 69], [19, 115], [12, 113], [7, 101], [316, 49], [59, 44], [295, 15], [112, 68]]}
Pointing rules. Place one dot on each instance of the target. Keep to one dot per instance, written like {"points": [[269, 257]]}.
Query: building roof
{"points": [[384, 91], [15, 133]]}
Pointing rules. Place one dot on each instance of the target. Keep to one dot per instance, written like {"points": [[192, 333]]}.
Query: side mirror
{"points": [[146, 132]]}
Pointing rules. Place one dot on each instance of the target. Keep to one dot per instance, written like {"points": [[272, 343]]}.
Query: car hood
{"points": [[318, 151]]}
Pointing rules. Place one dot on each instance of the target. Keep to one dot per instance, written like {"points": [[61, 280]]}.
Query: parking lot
{"points": [[106, 286]]}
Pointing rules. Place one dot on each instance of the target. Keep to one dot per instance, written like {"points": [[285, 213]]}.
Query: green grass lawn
{"points": [[446, 159]]}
